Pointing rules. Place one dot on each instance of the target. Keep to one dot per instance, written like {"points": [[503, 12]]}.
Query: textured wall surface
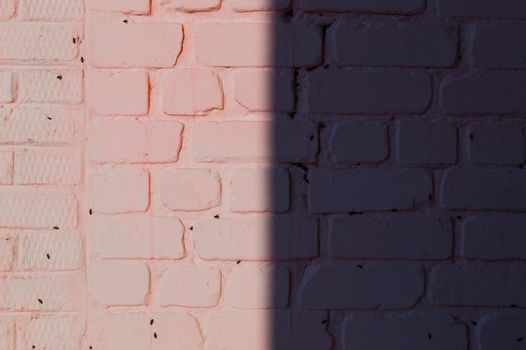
{"points": [[262, 174]]}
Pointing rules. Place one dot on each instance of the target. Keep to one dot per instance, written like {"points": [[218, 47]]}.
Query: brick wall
{"points": [[263, 174]]}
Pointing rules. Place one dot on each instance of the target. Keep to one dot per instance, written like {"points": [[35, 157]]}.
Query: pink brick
{"points": [[119, 190], [139, 7], [190, 286], [130, 283], [217, 44], [191, 92], [258, 5], [246, 238], [265, 90], [7, 333], [51, 85], [128, 141], [51, 10], [153, 45], [7, 245], [119, 331], [6, 168], [359, 142], [60, 332], [258, 287], [145, 237], [6, 87], [7, 9], [47, 166], [497, 142], [190, 189], [118, 92], [175, 330], [49, 251], [193, 5], [249, 190]]}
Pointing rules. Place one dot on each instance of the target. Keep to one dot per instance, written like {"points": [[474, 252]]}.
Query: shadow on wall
{"points": [[399, 135]]}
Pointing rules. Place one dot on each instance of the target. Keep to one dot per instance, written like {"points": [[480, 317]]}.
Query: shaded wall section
{"points": [[401, 124]]}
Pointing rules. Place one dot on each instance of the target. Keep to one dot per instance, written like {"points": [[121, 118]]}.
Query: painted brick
{"points": [[426, 143], [488, 285], [153, 45], [390, 237], [484, 189], [501, 331], [7, 333], [246, 238], [493, 237], [484, 94], [484, 8], [248, 141], [47, 166], [367, 189], [191, 92], [37, 208], [190, 189], [7, 246], [217, 44], [375, 6], [118, 92], [6, 168], [341, 91], [128, 141], [129, 285], [60, 332], [394, 44], [176, 330], [249, 190], [258, 5], [49, 251], [179, 284], [138, 7], [258, 287], [365, 286], [193, 5], [358, 142], [425, 330], [51, 85], [7, 9], [6, 87], [499, 46], [119, 190], [145, 237], [51, 10], [265, 90], [497, 143], [119, 331]]}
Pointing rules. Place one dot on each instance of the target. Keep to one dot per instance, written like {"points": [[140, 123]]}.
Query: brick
{"points": [[493, 238], [7, 246], [37, 208], [340, 91], [6, 168], [133, 7], [119, 331], [394, 44], [484, 94], [498, 46], [265, 90], [484, 189], [190, 286], [47, 166], [153, 45], [423, 330], [258, 5], [401, 236], [60, 332], [484, 8], [43, 293], [49, 251], [176, 330], [38, 125], [247, 238], [375, 6], [497, 143], [118, 92], [130, 141], [119, 190], [62, 86], [130, 283], [298, 45], [145, 237], [358, 142], [190, 189], [7, 332], [191, 92], [38, 42], [193, 5], [501, 331], [7, 9], [51, 10], [366, 286], [258, 287], [234, 329], [6, 87], [249, 141], [367, 189], [431, 142], [249, 190], [485, 285]]}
